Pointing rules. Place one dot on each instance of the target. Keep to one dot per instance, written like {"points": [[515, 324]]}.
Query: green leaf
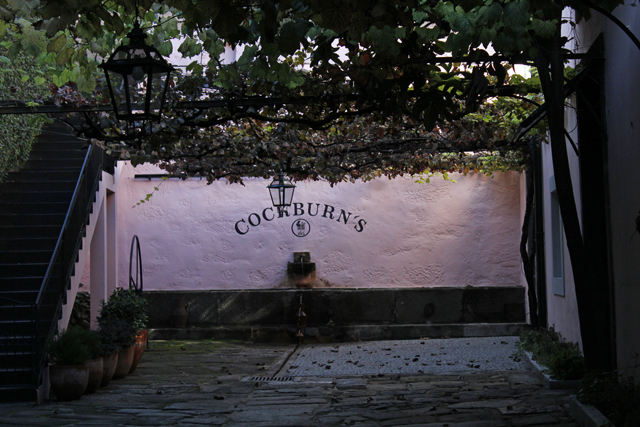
{"points": [[195, 68], [289, 39], [379, 10], [544, 29], [23, 6], [247, 56], [24, 78], [33, 41], [112, 23], [5, 60], [385, 40], [461, 24], [57, 43], [486, 36], [96, 48], [166, 48], [190, 48], [488, 15], [516, 14], [5, 14], [64, 55], [54, 25], [39, 80]]}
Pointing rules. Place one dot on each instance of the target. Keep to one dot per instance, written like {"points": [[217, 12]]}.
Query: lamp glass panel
{"points": [[288, 195], [119, 94], [275, 196], [138, 53], [138, 93], [158, 82]]}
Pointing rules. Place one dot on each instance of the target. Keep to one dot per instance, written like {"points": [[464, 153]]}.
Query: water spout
{"points": [[301, 321]]}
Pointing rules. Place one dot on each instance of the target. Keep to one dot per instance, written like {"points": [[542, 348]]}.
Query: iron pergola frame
{"points": [[18, 107]]}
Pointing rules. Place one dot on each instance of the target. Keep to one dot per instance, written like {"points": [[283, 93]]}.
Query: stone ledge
{"points": [[342, 307], [285, 333], [587, 415], [551, 383]]}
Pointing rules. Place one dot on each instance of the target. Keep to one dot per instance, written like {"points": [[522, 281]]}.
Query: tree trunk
{"points": [[551, 69], [527, 260]]}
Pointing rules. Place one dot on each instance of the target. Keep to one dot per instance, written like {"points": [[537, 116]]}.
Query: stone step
{"points": [[17, 392], [32, 208], [26, 186], [34, 197], [329, 334], [29, 230]]}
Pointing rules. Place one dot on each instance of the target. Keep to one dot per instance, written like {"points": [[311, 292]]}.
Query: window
{"points": [[557, 242]]}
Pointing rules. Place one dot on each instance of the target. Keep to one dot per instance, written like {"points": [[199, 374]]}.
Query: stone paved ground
{"points": [[423, 356], [210, 383]]}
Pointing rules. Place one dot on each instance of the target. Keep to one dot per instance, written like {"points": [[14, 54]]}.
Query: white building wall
{"points": [[623, 117], [399, 233], [622, 92], [100, 235]]}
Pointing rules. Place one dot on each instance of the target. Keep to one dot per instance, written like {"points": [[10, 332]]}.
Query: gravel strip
{"points": [[431, 356]]}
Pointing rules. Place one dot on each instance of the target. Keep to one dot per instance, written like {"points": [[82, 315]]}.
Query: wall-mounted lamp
{"points": [[281, 191]]}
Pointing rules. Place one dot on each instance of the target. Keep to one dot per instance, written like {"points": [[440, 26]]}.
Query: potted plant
{"points": [[69, 374], [122, 318], [96, 363], [108, 332]]}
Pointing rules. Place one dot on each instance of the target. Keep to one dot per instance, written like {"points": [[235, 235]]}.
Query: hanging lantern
{"points": [[138, 79], [281, 190]]}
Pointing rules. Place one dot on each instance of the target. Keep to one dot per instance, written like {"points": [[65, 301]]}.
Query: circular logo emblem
{"points": [[300, 227]]}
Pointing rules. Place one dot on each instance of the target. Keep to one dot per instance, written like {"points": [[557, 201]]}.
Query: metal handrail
{"points": [[58, 246]]}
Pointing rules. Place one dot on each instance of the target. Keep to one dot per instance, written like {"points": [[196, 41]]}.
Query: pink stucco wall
{"points": [[398, 234]]}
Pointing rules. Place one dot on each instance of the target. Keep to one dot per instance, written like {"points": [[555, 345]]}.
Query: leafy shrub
{"points": [[121, 318], [616, 397], [70, 347], [93, 343], [568, 364], [564, 360], [115, 334]]}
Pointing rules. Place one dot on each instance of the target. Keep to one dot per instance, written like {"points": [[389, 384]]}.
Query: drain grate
{"points": [[271, 379]]}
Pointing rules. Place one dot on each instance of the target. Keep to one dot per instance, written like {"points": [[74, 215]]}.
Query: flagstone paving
{"points": [[208, 383]]}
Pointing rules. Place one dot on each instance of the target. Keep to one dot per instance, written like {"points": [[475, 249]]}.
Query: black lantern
{"points": [[138, 78], [281, 190]]}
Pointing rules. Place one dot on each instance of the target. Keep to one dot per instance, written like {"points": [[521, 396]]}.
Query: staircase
{"points": [[44, 209]]}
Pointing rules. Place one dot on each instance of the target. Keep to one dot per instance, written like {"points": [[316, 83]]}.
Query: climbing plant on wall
{"points": [[20, 78]]}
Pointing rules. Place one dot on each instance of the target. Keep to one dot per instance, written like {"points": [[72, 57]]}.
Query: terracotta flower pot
{"points": [[109, 364], [125, 358], [68, 382], [141, 342], [96, 369]]}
